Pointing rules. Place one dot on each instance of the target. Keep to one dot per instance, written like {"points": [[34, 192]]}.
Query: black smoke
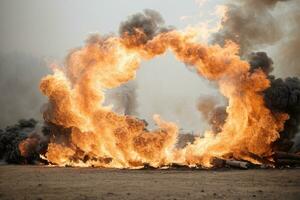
{"points": [[23, 133], [283, 96], [253, 24], [149, 23], [260, 60]]}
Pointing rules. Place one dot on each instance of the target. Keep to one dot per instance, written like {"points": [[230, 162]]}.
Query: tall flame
{"points": [[86, 133]]}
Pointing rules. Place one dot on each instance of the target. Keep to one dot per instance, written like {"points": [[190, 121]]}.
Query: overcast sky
{"points": [[48, 29], [52, 27]]}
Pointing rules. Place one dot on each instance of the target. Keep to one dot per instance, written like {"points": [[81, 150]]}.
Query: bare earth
{"points": [[40, 182]]}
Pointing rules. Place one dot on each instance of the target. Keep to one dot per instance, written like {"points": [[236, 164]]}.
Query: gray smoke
{"points": [[217, 118], [124, 99], [206, 104], [20, 75], [255, 24], [214, 113], [149, 22], [250, 23], [287, 53]]}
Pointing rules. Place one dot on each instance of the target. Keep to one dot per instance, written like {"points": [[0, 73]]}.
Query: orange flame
{"points": [[97, 136]]}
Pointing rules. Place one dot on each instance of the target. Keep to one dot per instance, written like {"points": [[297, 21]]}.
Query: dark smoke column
{"points": [[253, 24], [144, 26], [283, 95]]}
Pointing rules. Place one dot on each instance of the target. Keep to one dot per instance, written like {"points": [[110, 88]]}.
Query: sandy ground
{"points": [[40, 182]]}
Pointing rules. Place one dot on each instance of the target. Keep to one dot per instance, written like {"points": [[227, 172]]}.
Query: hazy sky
{"points": [[52, 27], [48, 29]]}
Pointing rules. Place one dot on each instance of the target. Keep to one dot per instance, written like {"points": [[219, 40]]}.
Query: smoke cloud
{"points": [[206, 104], [22, 143], [250, 23], [283, 95], [287, 52], [253, 24], [260, 60], [20, 75], [212, 112], [256, 24], [124, 99], [149, 23]]}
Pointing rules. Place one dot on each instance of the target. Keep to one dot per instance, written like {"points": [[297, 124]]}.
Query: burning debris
{"points": [[262, 112]]}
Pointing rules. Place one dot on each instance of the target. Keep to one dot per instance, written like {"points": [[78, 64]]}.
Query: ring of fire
{"points": [[86, 133]]}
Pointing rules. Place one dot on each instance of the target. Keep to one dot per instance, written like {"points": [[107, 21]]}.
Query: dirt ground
{"points": [[40, 182]]}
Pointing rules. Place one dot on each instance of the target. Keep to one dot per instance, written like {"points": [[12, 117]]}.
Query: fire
{"points": [[87, 133]]}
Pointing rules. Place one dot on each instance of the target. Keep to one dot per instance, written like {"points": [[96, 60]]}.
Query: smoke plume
{"points": [[144, 26], [260, 60], [250, 23], [22, 143], [287, 53], [124, 99], [253, 24], [212, 112], [20, 96], [283, 96], [256, 24]]}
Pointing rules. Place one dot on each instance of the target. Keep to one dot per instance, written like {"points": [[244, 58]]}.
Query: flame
{"points": [[89, 134]]}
